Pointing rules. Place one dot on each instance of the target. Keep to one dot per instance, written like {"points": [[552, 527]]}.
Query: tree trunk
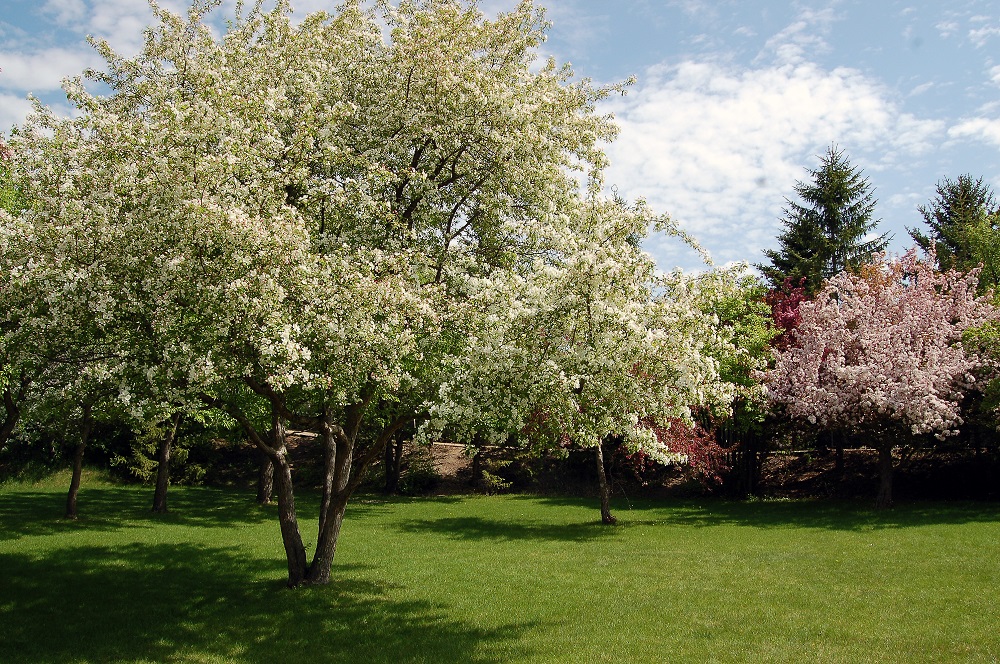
{"points": [[339, 457], [163, 466], [277, 451], [345, 479], [393, 464], [265, 480], [477, 469], [295, 551], [885, 467], [331, 454], [74, 485], [602, 482], [326, 546], [840, 443], [12, 415]]}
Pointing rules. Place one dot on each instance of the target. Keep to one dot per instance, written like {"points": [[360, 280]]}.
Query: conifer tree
{"points": [[963, 224], [828, 230]]}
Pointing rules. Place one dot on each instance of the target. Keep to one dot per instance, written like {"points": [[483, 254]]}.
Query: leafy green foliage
{"points": [[11, 197]]}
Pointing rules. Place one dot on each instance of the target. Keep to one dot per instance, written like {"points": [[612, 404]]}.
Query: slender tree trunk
{"points": [[602, 482], [840, 443], [265, 480], [163, 466], [326, 546], [295, 551], [393, 464], [277, 451], [335, 496], [12, 415], [331, 455], [885, 467], [74, 485], [477, 469], [345, 480]]}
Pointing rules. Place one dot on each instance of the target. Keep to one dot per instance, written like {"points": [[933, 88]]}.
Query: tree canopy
{"points": [[324, 224]]}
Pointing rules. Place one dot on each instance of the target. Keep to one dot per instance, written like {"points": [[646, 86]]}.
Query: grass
{"points": [[504, 578]]}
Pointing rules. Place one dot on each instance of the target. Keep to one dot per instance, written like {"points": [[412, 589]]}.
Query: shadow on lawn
{"points": [[821, 514], [24, 513], [479, 528], [182, 602], [27, 512]]}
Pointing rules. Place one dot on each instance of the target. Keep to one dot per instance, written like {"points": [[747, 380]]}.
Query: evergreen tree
{"points": [[959, 219], [826, 232]]}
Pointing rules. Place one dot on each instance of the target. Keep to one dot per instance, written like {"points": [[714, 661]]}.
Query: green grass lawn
{"points": [[508, 578]]}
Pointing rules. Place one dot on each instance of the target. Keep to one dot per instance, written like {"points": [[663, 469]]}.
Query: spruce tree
{"points": [[826, 232], [956, 217]]}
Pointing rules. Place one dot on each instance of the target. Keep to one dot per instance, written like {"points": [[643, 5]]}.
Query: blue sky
{"points": [[734, 99]]}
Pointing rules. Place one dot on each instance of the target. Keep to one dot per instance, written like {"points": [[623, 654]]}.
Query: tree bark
{"points": [[477, 469], [345, 479], [839, 444], [163, 466], [885, 467], [295, 550], [265, 480], [393, 464], [330, 458], [602, 482], [12, 415], [74, 485]]}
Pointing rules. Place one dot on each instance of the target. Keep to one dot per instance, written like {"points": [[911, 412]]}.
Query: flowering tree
{"points": [[784, 303], [592, 343], [300, 216], [879, 353]]}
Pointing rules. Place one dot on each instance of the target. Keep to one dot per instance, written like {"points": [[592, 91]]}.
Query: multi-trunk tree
{"points": [[829, 230], [298, 218], [879, 353]]}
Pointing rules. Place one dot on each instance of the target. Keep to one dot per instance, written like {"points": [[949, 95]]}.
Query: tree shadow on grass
{"points": [[479, 528], [170, 602], [820, 514], [24, 513]]}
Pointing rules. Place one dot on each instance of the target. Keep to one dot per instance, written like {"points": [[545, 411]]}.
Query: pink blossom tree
{"points": [[879, 353]]}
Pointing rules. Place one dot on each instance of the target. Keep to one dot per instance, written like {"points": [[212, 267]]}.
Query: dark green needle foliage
{"points": [[962, 227], [830, 229]]}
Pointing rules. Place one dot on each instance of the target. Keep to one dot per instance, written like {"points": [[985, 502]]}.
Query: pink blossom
{"points": [[881, 350]]}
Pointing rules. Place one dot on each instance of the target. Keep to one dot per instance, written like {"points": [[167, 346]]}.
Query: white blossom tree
{"points": [[879, 353], [591, 343], [301, 213]]}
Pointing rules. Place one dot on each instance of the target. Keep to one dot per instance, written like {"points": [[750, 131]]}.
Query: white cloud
{"points": [[44, 70], [978, 129], [720, 148], [66, 12], [802, 38], [13, 110], [980, 36], [947, 28]]}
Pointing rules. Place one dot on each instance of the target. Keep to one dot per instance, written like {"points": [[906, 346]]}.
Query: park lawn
{"points": [[503, 578]]}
